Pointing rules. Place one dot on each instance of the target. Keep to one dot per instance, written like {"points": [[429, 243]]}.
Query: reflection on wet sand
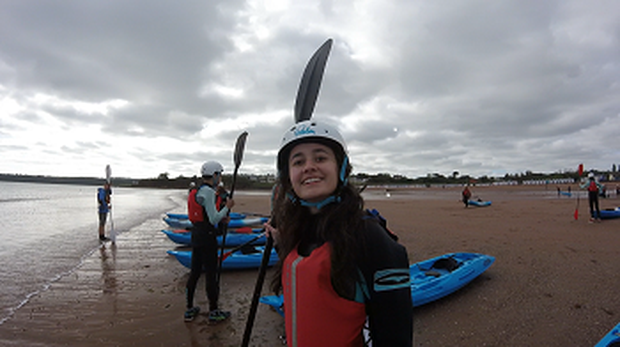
{"points": [[108, 274]]}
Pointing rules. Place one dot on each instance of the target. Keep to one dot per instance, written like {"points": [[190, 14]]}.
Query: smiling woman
{"points": [[339, 269]]}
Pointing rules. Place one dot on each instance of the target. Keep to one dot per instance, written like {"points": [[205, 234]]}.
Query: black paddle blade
{"points": [[311, 83], [239, 148]]}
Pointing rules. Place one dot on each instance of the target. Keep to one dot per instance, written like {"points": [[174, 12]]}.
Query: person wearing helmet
{"points": [[205, 216], [593, 192], [339, 268]]}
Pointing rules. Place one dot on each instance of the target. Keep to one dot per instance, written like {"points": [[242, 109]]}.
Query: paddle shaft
{"points": [[108, 178], [237, 157], [225, 231], [257, 291]]}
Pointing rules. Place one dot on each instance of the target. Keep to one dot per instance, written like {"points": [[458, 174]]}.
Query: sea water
{"points": [[47, 230]]}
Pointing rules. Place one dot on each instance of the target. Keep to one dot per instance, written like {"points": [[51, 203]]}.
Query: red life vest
{"points": [[315, 314], [592, 187], [466, 193], [195, 211]]}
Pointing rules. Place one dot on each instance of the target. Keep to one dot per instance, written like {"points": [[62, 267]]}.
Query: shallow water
{"points": [[47, 230]]}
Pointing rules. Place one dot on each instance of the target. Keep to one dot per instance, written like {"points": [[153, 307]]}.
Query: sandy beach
{"points": [[555, 280]]}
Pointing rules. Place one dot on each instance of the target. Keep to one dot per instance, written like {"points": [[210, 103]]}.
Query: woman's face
{"points": [[313, 171]]}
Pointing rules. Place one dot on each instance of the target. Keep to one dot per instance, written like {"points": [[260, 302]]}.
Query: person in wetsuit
{"points": [[205, 216], [338, 269], [103, 202]]}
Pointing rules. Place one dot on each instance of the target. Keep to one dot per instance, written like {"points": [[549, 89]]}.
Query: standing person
{"points": [[593, 191], [103, 200], [339, 268], [466, 194], [205, 217]]}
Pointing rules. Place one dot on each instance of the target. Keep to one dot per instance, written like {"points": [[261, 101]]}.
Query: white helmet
{"points": [[210, 168], [591, 175], [309, 130]]}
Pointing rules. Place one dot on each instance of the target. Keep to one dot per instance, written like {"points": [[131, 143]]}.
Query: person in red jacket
{"points": [[338, 269], [466, 195], [593, 192]]}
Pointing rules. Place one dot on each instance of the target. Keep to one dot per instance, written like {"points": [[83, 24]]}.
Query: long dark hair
{"points": [[338, 224]]}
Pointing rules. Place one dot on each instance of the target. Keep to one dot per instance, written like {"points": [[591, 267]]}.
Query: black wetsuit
{"points": [[204, 259], [387, 296], [389, 307]]}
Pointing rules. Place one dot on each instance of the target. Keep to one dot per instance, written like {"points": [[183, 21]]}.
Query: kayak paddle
{"points": [[237, 157], [108, 178], [228, 253]]}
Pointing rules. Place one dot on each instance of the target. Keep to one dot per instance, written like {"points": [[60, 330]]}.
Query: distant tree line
{"points": [[87, 181], [266, 181], [182, 182]]}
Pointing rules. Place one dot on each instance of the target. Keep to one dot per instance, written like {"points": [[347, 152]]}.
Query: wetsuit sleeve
{"points": [[206, 198], [386, 272]]}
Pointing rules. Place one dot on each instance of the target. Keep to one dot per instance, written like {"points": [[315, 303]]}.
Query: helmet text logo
{"points": [[303, 130]]}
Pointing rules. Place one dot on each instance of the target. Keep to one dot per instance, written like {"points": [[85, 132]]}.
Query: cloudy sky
{"points": [[416, 87]]}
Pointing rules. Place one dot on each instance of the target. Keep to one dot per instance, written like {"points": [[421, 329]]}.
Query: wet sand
{"points": [[554, 282]]}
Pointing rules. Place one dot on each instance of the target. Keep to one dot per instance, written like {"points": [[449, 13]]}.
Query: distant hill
{"points": [[164, 182], [88, 181]]}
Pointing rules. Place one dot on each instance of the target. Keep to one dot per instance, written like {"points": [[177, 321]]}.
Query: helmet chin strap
{"points": [[328, 200], [320, 204], [343, 170]]}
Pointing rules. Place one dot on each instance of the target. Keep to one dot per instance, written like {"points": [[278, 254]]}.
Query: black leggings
{"points": [[593, 201], [205, 259]]}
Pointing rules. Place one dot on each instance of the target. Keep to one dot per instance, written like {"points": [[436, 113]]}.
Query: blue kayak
{"points": [[232, 215], [184, 237], [611, 339], [437, 277], [237, 260], [234, 223], [610, 213], [479, 203], [431, 279]]}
